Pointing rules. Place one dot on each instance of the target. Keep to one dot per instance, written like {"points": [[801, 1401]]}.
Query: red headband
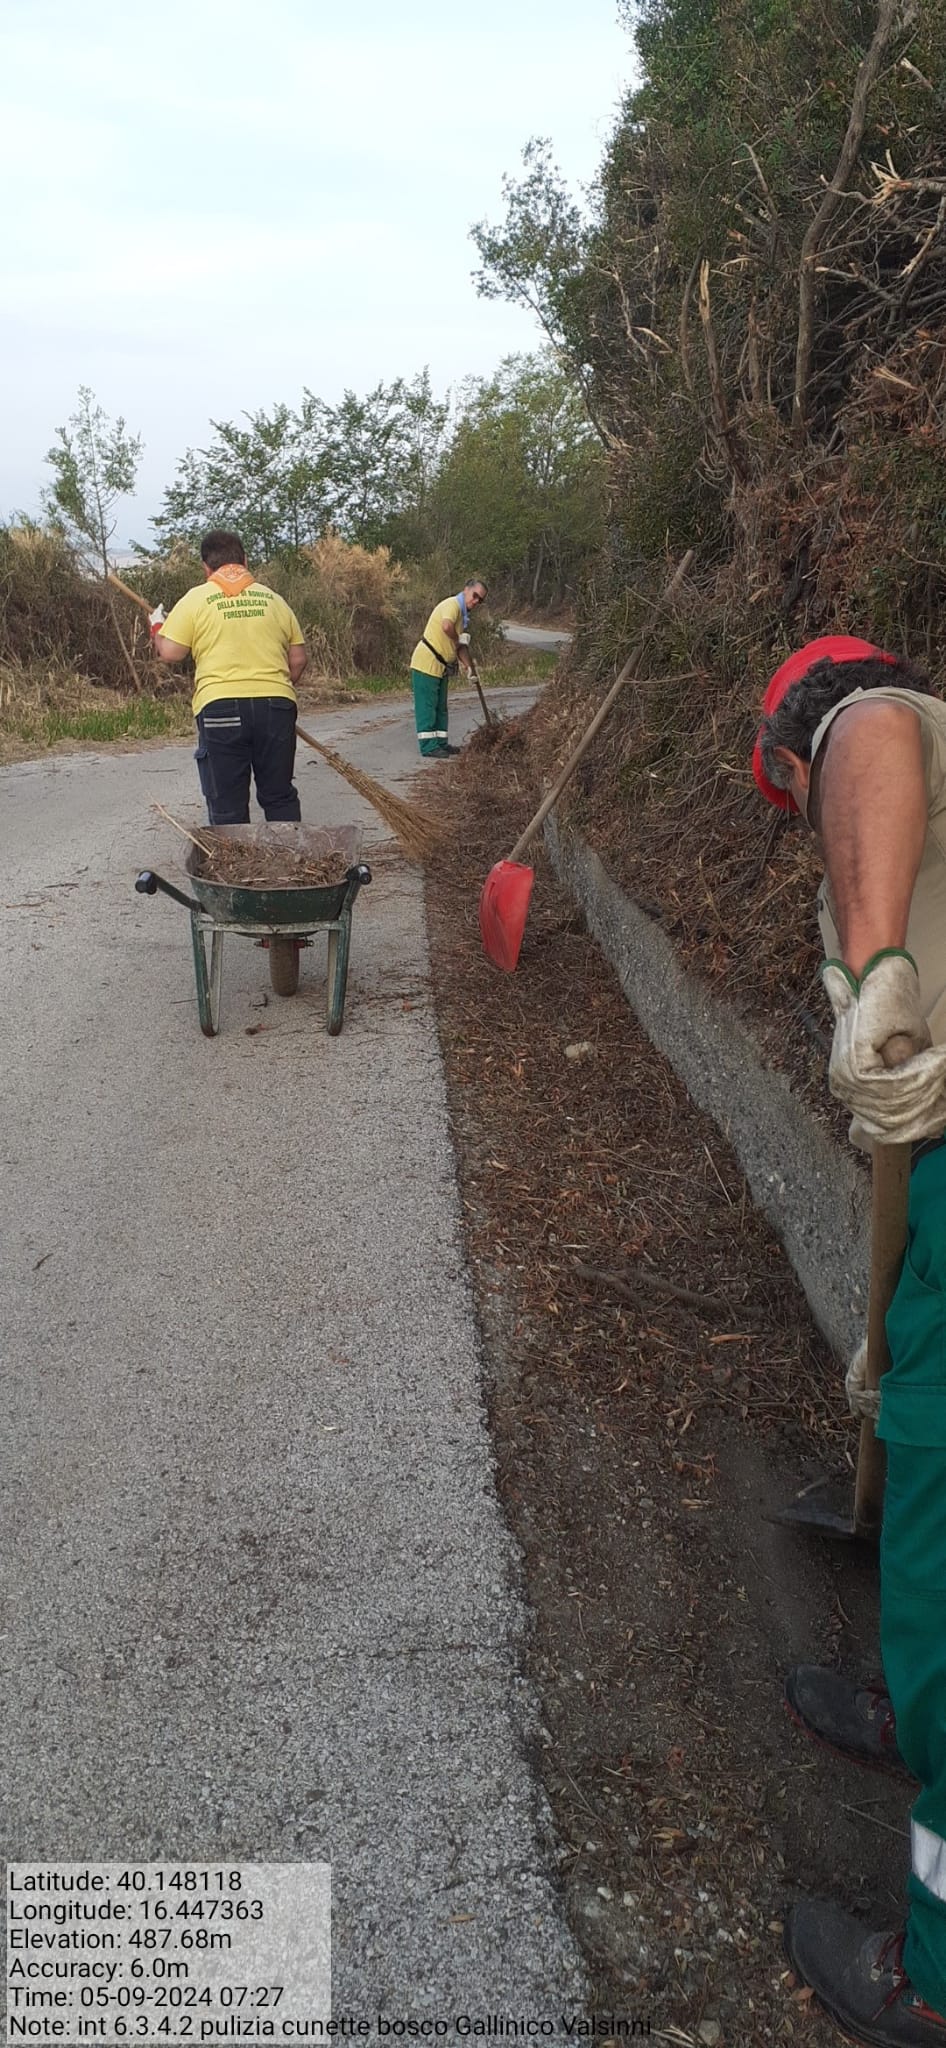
{"points": [[835, 647]]}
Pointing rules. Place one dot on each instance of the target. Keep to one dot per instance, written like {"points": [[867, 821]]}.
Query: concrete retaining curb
{"points": [[815, 1195]]}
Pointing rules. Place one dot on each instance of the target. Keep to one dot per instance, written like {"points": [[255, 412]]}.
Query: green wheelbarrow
{"points": [[282, 919]]}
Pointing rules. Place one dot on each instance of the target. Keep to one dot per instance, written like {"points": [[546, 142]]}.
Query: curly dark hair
{"points": [[807, 702]]}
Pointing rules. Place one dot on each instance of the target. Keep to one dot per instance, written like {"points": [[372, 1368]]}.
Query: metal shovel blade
{"points": [[504, 907], [824, 1507]]}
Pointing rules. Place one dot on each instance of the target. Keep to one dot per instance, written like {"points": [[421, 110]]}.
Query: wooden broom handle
{"points": [[597, 722]]}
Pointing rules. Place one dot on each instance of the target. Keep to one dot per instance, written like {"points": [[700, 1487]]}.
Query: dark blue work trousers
{"points": [[237, 735]]}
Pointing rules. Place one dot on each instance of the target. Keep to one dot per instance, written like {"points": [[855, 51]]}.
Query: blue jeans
{"points": [[236, 735]]}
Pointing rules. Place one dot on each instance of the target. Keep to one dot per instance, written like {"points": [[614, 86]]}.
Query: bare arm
{"points": [[298, 660], [169, 650], [872, 818]]}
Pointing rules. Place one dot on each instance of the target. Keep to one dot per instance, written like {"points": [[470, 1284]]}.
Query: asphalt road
{"points": [[536, 637], [259, 1599]]}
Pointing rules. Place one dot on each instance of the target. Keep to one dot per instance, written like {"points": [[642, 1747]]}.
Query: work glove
{"points": [[156, 619], [892, 1105], [862, 1400]]}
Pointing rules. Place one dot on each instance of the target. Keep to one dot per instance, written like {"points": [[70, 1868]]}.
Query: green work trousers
{"points": [[430, 711], [913, 1558]]}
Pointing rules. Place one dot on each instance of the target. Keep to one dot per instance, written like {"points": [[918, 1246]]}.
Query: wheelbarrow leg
{"points": [[339, 947], [208, 985]]}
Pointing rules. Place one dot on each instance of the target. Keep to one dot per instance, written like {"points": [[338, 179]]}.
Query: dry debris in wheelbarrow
{"points": [[259, 866], [256, 864]]}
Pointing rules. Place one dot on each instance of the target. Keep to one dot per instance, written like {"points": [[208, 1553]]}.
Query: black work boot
{"points": [[855, 1720], [859, 1978]]}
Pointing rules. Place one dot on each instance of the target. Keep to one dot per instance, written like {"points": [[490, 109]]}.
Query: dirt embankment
{"points": [[641, 1441]]}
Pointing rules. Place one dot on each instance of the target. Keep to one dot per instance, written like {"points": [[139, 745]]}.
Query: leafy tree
{"points": [[284, 477], [758, 279], [381, 451], [268, 480], [519, 497], [537, 258], [95, 463]]}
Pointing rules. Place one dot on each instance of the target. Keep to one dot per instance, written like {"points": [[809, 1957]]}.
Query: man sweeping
{"points": [[249, 653], [443, 647], [854, 740]]}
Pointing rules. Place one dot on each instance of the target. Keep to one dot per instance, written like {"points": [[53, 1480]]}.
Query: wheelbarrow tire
{"points": [[284, 966]]}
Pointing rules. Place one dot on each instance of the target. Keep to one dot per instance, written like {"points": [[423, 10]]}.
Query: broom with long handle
{"points": [[414, 828]]}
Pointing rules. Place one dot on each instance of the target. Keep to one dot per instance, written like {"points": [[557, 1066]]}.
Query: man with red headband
{"points": [[855, 741]]}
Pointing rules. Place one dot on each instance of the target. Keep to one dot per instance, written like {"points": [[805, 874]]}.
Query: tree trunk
{"points": [[889, 16], [540, 565]]}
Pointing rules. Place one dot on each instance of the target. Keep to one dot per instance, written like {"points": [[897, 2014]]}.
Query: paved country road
{"points": [[546, 638], [259, 1600]]}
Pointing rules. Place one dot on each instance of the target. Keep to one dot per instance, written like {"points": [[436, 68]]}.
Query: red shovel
{"points": [[504, 897]]}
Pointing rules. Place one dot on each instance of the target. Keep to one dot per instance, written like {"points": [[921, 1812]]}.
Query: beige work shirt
{"points": [[926, 931]]}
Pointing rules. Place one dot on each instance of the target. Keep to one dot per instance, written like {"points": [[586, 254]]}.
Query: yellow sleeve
{"points": [[179, 625], [451, 611], [296, 636]]}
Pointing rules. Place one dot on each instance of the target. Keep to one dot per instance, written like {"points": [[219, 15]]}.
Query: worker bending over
{"points": [[444, 645], [854, 740]]}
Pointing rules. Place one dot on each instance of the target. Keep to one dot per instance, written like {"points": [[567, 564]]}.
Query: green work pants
{"points": [[430, 711], [913, 1559]]}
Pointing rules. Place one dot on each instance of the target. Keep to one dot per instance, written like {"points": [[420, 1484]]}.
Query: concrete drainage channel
{"points": [[815, 1196]]}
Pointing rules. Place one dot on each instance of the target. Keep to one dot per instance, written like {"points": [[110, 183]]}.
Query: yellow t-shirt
{"points": [[422, 658], [238, 643]]}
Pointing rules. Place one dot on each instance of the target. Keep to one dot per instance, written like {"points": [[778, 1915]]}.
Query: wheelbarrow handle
{"points": [[148, 884]]}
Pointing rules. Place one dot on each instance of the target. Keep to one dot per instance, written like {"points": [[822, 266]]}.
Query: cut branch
{"points": [[685, 363], [889, 17], [726, 430]]}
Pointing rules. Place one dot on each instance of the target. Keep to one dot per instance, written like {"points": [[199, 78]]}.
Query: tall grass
{"points": [[63, 675]]}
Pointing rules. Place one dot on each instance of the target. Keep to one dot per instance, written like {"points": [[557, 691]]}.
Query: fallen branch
{"points": [[724, 426], [624, 1284]]}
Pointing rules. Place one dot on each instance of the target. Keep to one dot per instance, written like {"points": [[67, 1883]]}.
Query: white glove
{"points": [[892, 1105], [463, 639], [156, 619], [863, 1401]]}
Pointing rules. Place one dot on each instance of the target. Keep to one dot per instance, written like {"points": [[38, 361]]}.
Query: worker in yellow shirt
{"points": [[248, 653], [443, 646]]}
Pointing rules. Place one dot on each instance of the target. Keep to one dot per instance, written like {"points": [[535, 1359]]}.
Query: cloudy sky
{"points": [[208, 208]]}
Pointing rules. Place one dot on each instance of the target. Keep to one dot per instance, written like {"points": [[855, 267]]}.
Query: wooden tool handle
{"points": [[897, 1049], [135, 595], [301, 734], [597, 722], [474, 678], [890, 1194]]}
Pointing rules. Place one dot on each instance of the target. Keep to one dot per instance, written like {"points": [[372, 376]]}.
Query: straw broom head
{"points": [[416, 830]]}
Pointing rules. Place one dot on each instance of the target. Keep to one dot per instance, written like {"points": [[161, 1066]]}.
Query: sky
{"points": [[208, 209]]}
